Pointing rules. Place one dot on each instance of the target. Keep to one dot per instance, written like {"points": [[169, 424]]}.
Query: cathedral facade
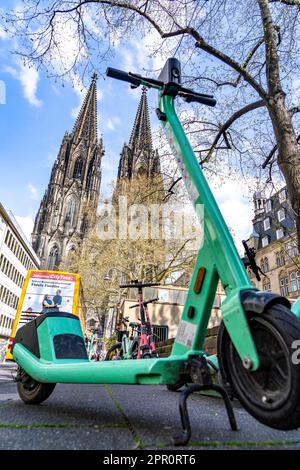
{"points": [[70, 202], [69, 206]]}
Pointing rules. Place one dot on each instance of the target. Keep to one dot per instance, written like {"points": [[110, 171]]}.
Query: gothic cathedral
{"points": [[69, 205], [70, 202]]}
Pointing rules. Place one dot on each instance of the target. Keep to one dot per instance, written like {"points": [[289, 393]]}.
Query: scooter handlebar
{"points": [[135, 79], [124, 76]]}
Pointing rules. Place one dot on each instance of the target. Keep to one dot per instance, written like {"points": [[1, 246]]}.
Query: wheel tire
{"points": [[272, 393], [111, 354], [33, 392]]}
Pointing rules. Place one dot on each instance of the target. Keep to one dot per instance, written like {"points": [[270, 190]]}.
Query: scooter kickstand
{"points": [[183, 438]]}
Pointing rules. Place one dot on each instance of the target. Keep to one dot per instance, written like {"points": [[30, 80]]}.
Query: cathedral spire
{"points": [[138, 157], [85, 127], [140, 138]]}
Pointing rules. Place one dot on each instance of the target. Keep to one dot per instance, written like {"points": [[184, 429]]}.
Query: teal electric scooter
{"points": [[257, 334]]}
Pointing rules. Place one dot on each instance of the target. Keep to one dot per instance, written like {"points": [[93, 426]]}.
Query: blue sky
{"points": [[38, 111]]}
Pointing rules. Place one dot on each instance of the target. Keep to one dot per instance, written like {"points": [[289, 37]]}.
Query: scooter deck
{"points": [[142, 371]]}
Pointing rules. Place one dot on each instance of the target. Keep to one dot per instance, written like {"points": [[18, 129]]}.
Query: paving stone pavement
{"points": [[94, 417]]}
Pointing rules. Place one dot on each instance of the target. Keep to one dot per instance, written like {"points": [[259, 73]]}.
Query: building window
{"points": [[294, 281], [268, 206], [281, 215], [267, 286], [78, 167], [264, 265], [284, 286], [267, 224], [292, 249], [71, 212], [282, 196], [53, 258], [265, 241], [279, 233]]}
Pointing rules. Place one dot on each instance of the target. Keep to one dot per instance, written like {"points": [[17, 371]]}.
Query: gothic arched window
{"points": [[264, 265], [71, 212], [90, 173], [78, 167], [53, 258]]}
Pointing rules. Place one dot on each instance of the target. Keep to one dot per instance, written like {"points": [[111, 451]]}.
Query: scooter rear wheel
{"points": [[272, 393], [33, 392]]}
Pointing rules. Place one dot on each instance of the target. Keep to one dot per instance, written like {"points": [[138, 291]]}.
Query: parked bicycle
{"points": [[146, 344], [127, 342]]}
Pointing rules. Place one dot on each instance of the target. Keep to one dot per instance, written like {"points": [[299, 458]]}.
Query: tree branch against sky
{"points": [[245, 52]]}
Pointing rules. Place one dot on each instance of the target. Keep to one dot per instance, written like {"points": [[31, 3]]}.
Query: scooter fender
{"points": [[234, 308], [258, 301]]}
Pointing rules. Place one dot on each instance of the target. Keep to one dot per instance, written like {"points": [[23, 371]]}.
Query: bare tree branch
{"points": [[229, 122]]}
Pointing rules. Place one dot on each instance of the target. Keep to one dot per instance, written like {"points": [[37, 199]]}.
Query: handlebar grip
{"points": [[124, 76], [134, 306], [203, 99]]}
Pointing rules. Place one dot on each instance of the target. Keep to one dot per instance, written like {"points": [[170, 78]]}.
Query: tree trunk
{"points": [[288, 158], [288, 152]]}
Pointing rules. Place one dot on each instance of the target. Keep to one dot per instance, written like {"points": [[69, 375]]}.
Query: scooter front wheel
{"points": [[270, 394], [33, 392]]}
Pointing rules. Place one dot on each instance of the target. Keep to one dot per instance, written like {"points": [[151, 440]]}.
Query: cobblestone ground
{"points": [[125, 417]]}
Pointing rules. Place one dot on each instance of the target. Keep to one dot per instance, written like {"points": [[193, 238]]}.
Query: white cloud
{"points": [[26, 223], [28, 77], [111, 123], [233, 199], [33, 192]]}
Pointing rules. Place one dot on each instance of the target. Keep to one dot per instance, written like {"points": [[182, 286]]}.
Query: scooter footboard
{"points": [[51, 349], [143, 371]]}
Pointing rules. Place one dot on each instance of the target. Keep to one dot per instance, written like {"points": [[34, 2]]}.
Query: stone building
{"points": [[274, 239], [71, 199]]}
